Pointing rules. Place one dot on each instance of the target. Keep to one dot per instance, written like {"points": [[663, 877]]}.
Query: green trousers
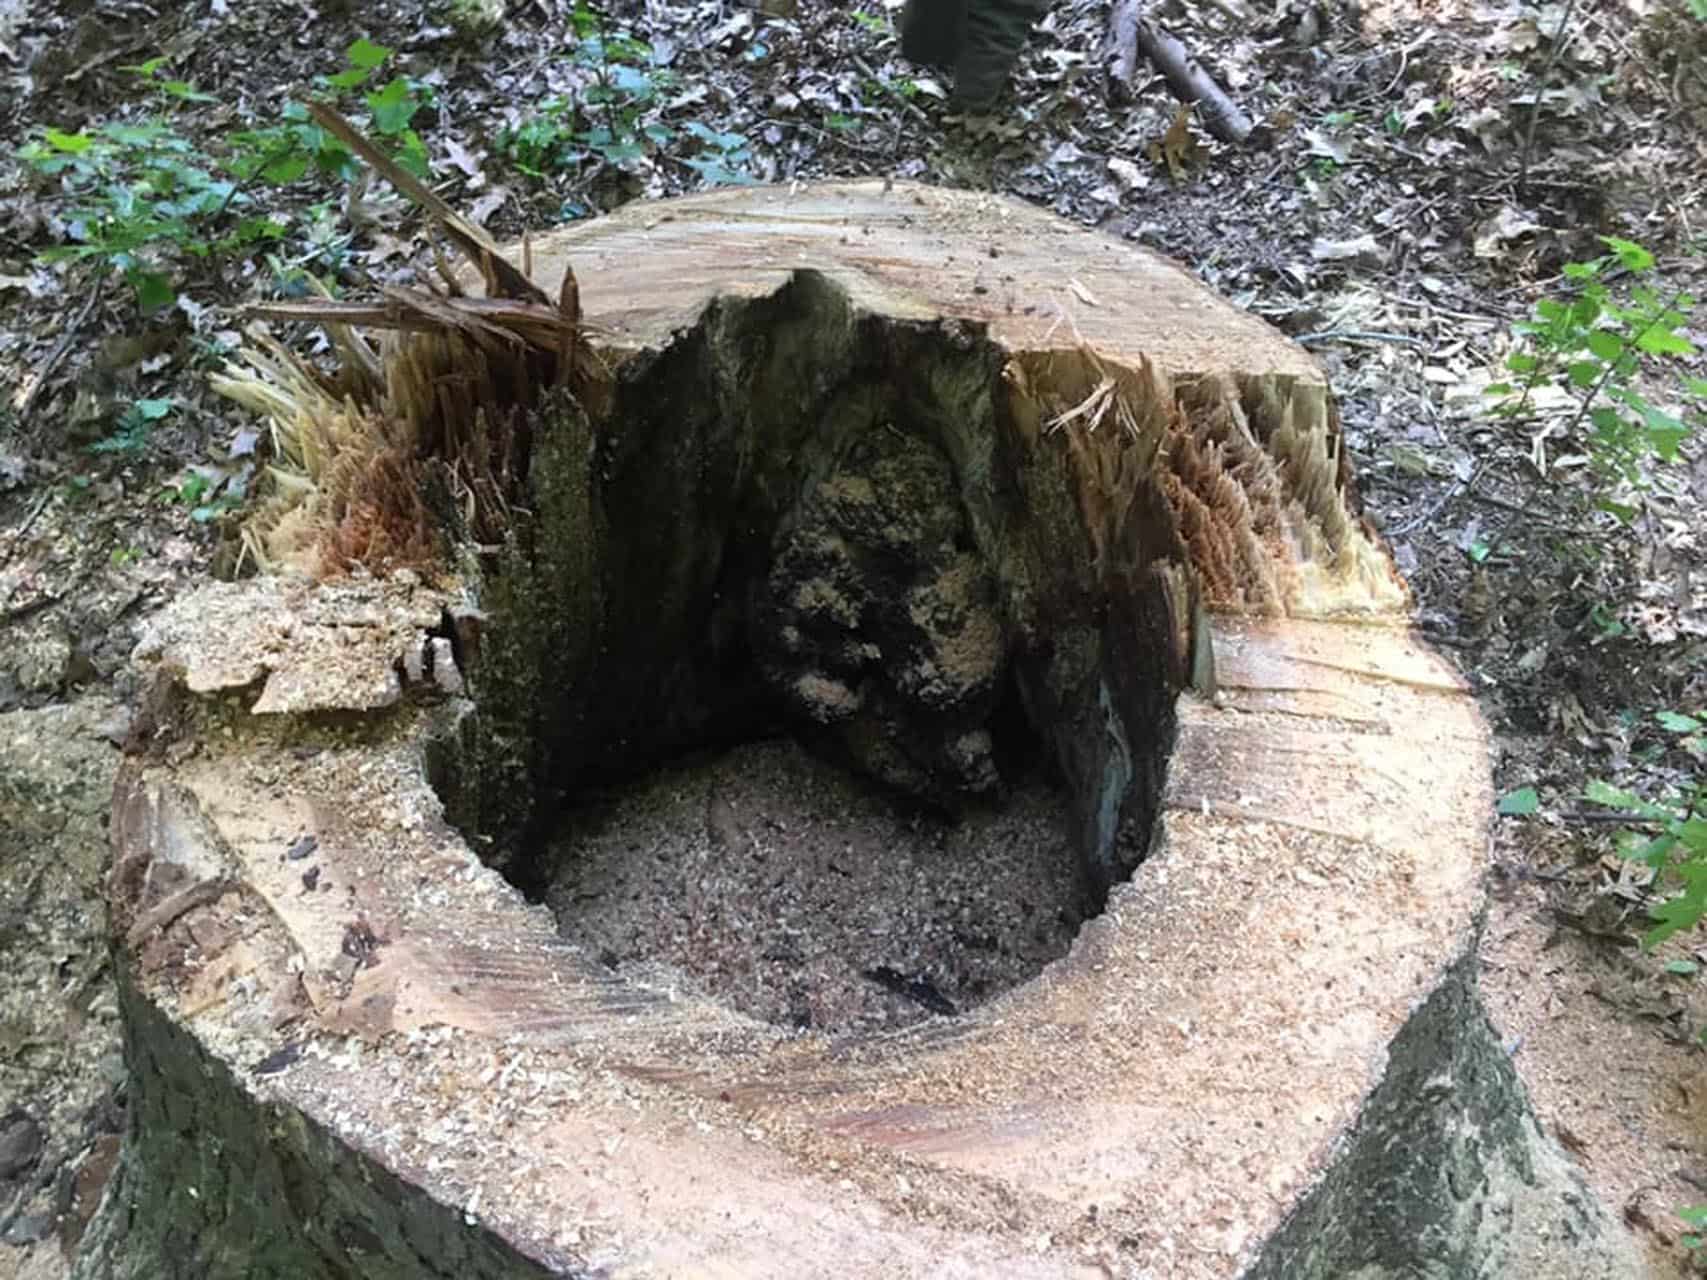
{"points": [[978, 39]]}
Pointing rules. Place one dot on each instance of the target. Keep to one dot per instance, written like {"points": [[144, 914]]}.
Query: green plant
{"points": [[1694, 1216], [205, 495], [140, 197], [131, 435], [723, 158], [1596, 343], [1678, 853], [136, 190], [609, 119], [616, 117]]}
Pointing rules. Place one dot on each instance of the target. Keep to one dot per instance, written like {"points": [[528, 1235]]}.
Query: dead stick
{"points": [[58, 352], [480, 249]]}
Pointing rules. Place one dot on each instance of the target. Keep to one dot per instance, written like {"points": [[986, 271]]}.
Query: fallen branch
{"points": [[1130, 33]]}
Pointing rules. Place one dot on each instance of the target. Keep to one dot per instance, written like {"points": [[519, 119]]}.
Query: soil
{"points": [[1407, 204]]}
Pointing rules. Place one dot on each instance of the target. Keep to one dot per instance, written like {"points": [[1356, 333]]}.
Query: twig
{"points": [[890, 89], [1359, 335], [165, 912], [1517, 509], [1435, 508], [1426, 304], [1610, 816], [23, 611], [24, 527], [59, 350], [1559, 43]]}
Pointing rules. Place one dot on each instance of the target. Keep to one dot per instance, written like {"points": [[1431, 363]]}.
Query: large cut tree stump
{"points": [[919, 476]]}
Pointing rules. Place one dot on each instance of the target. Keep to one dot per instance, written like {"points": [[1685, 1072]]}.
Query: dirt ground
{"points": [[1379, 218]]}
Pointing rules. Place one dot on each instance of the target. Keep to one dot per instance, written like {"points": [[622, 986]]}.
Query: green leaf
{"points": [[1519, 803], [1517, 361], [1598, 791], [73, 143], [1630, 254], [1663, 342], [1677, 722], [1580, 270], [364, 53], [349, 79], [392, 107], [1624, 513], [1682, 912], [287, 168], [1650, 853], [1606, 345], [154, 291], [1498, 389], [1693, 834], [1667, 442], [1584, 373], [152, 410], [1683, 968], [1695, 1215], [1552, 309], [185, 91], [412, 154]]}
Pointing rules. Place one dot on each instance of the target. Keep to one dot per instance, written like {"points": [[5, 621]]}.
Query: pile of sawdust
{"points": [[797, 894]]}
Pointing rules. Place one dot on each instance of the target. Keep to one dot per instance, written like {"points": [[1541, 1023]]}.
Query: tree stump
{"points": [[933, 481]]}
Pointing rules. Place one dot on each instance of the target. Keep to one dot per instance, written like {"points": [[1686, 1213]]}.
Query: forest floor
{"points": [[1405, 205]]}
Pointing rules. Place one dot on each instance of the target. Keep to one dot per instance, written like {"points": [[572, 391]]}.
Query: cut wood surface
{"points": [[910, 252], [1265, 1058]]}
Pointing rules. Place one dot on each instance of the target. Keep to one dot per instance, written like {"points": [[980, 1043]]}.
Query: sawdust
{"points": [[799, 895]]}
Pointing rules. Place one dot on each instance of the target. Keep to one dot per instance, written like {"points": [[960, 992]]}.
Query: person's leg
{"points": [[932, 31], [996, 31]]}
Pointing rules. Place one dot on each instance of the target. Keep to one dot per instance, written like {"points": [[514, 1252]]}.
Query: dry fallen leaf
{"points": [[1178, 148]]}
